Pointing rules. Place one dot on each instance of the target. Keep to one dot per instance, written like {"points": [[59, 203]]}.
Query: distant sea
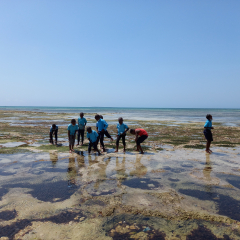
{"points": [[228, 116]]}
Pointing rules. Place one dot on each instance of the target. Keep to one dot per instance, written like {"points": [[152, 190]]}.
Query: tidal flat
{"points": [[173, 191]]}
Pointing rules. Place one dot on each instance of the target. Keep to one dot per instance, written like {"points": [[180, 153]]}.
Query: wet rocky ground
{"points": [[173, 194], [170, 192]]}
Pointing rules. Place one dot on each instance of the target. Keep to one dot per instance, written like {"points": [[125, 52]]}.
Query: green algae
{"points": [[196, 146]]}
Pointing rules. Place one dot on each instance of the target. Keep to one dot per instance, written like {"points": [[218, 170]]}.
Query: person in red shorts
{"points": [[141, 135]]}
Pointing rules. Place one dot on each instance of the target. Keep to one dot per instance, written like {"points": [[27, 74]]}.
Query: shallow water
{"points": [[176, 193]]}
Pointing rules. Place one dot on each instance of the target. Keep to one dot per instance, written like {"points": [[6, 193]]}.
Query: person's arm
{"points": [[68, 135], [105, 125], [76, 129], [85, 121], [136, 134], [126, 130]]}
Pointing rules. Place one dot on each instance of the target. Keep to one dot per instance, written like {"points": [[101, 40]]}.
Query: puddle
{"points": [[46, 191], [226, 205], [12, 144], [142, 183], [203, 233], [8, 215], [12, 229]]}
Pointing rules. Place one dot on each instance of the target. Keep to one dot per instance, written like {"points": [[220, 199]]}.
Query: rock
{"points": [[132, 227], [82, 219], [122, 230], [151, 185]]}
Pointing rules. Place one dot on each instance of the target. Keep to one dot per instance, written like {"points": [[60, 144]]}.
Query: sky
{"points": [[128, 53]]}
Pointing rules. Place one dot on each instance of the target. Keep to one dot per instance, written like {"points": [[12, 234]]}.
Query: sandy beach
{"points": [[174, 191]]}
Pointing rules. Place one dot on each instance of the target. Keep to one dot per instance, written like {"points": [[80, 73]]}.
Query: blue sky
{"points": [[128, 53]]}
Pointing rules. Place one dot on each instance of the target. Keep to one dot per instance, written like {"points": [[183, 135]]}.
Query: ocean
{"points": [[227, 116]]}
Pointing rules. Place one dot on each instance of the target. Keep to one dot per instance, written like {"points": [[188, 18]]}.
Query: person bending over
{"points": [[92, 137], [101, 127], [122, 129], [141, 135], [106, 131], [53, 130]]}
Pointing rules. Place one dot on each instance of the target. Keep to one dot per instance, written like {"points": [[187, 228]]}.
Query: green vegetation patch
{"points": [[8, 150], [195, 146]]}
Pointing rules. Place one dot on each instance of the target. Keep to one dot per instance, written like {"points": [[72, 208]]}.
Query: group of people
{"points": [[101, 130], [95, 136]]}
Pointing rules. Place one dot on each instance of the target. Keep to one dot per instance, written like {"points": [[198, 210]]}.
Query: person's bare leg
{"points": [[116, 148], [98, 152], [207, 146], [140, 148], [137, 149], [124, 148], [70, 150]]}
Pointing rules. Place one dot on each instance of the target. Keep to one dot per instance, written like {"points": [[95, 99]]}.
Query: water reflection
{"points": [[102, 175], [71, 172], [73, 169], [53, 158], [207, 174], [121, 168], [140, 170]]}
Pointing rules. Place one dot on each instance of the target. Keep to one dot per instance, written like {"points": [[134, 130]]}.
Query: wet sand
{"points": [[170, 192]]}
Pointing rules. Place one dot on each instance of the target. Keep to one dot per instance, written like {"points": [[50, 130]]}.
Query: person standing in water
{"points": [[208, 133]]}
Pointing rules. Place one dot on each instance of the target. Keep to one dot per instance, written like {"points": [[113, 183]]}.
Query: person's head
{"points": [[209, 117], [97, 117], [89, 129], [54, 126], [81, 114], [101, 116], [132, 131], [73, 122], [120, 120]]}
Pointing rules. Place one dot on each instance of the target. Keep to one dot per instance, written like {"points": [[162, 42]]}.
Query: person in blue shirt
{"points": [[72, 129], [81, 125], [101, 128], [53, 130], [92, 137], [106, 133], [208, 133], [122, 129]]}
